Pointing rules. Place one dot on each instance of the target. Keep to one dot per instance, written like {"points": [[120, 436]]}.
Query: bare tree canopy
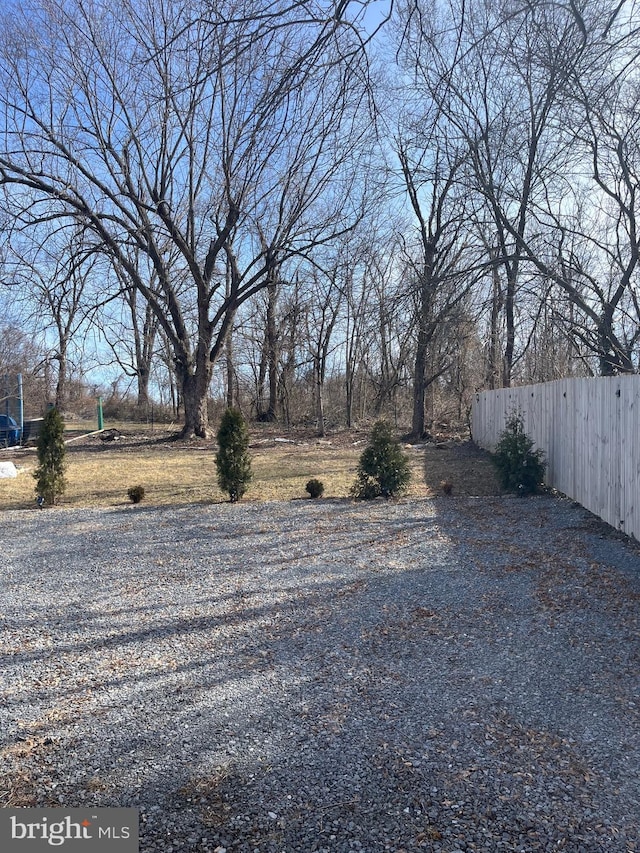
{"points": [[354, 205], [201, 138]]}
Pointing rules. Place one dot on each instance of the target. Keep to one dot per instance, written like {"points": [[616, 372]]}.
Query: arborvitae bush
{"points": [[232, 459], [520, 468], [315, 488], [384, 467], [49, 475], [135, 493]]}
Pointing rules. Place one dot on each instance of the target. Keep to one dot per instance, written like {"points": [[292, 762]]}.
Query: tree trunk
{"points": [[266, 409], [349, 389], [493, 370], [262, 377], [286, 379], [194, 397], [351, 368], [424, 322], [228, 344], [319, 399], [419, 373], [145, 350], [194, 384], [143, 390], [509, 306], [272, 352], [230, 373], [269, 361], [613, 358], [61, 384]]}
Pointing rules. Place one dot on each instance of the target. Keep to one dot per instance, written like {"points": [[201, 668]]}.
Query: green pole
{"points": [[100, 418]]}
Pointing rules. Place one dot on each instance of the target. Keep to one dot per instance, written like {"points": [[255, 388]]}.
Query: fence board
{"points": [[589, 430]]}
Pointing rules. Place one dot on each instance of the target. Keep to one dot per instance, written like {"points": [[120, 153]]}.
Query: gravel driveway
{"points": [[451, 675]]}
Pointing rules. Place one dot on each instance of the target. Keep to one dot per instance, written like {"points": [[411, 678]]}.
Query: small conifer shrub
{"points": [[135, 493], [232, 459], [49, 475], [315, 488], [383, 468], [520, 468]]}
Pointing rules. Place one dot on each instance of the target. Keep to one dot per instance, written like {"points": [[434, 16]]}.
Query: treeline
{"points": [[313, 213]]}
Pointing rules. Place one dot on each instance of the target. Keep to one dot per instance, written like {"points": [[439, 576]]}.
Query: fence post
{"points": [[20, 407]]}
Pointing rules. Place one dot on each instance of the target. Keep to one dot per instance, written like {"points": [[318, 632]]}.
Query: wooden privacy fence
{"points": [[589, 430]]}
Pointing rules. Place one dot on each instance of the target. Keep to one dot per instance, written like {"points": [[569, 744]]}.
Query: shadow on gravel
{"points": [[455, 674]]}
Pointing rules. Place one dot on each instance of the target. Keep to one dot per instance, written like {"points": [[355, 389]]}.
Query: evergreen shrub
{"points": [[520, 468], [232, 459], [383, 468], [315, 488], [49, 475], [135, 493]]}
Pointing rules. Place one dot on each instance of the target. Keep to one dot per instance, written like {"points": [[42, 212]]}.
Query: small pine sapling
{"points": [[49, 475], [520, 468], [232, 459], [383, 468]]}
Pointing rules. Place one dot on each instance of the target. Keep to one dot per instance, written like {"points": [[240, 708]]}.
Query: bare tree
{"points": [[440, 263], [322, 309], [22, 353], [50, 273], [130, 331], [291, 346], [360, 281], [532, 90], [269, 357], [388, 337], [440, 283], [184, 138], [478, 62], [586, 215]]}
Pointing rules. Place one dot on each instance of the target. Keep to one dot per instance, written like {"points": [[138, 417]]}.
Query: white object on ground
{"points": [[7, 470]]}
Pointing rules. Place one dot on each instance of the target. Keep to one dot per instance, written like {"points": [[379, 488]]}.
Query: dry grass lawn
{"points": [[179, 472]]}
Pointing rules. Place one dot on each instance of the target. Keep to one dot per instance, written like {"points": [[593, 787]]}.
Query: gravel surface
{"points": [[451, 675]]}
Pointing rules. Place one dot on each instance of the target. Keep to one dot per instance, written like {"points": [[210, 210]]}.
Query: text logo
{"points": [[37, 830]]}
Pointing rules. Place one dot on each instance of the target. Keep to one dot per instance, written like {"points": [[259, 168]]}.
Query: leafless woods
{"points": [[318, 210]]}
